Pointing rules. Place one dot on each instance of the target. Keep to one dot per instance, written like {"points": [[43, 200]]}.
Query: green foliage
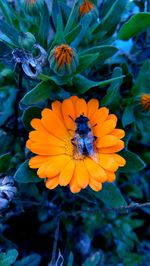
{"points": [[31, 260], [7, 259], [4, 162], [111, 196], [137, 23], [25, 175], [41, 92], [134, 162]]}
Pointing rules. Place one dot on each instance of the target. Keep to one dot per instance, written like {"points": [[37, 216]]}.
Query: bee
{"points": [[83, 139]]}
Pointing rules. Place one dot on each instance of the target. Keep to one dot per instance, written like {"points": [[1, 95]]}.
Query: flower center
{"points": [[63, 55]]}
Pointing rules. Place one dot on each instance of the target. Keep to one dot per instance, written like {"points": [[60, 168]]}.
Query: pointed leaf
{"points": [[83, 84], [41, 92], [26, 175], [133, 162], [135, 25], [111, 196]]}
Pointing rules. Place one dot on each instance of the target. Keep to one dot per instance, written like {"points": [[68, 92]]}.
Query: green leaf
{"points": [[58, 80], [135, 25], [8, 258], [59, 36], [105, 52], [73, 34], [6, 11], [41, 92], [25, 175], [95, 260], [29, 114], [128, 116], [142, 83], [133, 162], [73, 16], [31, 260], [7, 112], [9, 31], [70, 260], [85, 61], [112, 18], [111, 196], [44, 25], [83, 84], [4, 162], [113, 94], [55, 12]]}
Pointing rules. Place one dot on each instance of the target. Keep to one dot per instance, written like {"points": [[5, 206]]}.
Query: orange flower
{"points": [[86, 7], [63, 60], [76, 144], [145, 101]]}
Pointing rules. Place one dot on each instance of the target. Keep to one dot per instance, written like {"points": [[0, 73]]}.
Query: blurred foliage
{"points": [[41, 227]]}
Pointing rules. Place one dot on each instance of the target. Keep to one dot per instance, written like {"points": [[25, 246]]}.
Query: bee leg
{"points": [[94, 125], [71, 118], [73, 142], [95, 138]]}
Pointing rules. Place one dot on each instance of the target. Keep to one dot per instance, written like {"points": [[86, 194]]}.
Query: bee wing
{"points": [[79, 144], [89, 144]]}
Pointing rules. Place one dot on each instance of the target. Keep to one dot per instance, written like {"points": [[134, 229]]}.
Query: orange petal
{"points": [[74, 98], [99, 116], [106, 141], [53, 124], [80, 107], [119, 133], [95, 170], [105, 128], [96, 186], [47, 149], [111, 176], [45, 138], [28, 144], [36, 123], [52, 183], [42, 170], [67, 173], [118, 147], [81, 174], [74, 186], [120, 160], [68, 112], [107, 162], [37, 161], [56, 107], [92, 107], [112, 116], [56, 165]]}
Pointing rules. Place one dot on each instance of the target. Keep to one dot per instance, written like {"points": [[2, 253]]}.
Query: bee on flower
{"points": [[76, 144], [63, 60]]}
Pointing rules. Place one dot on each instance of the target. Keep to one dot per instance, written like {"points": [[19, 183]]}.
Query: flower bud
{"points": [[33, 5], [63, 60], [145, 101], [88, 8], [26, 40]]}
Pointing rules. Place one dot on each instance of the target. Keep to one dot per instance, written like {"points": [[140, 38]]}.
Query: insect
{"points": [[31, 66], [83, 140]]}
